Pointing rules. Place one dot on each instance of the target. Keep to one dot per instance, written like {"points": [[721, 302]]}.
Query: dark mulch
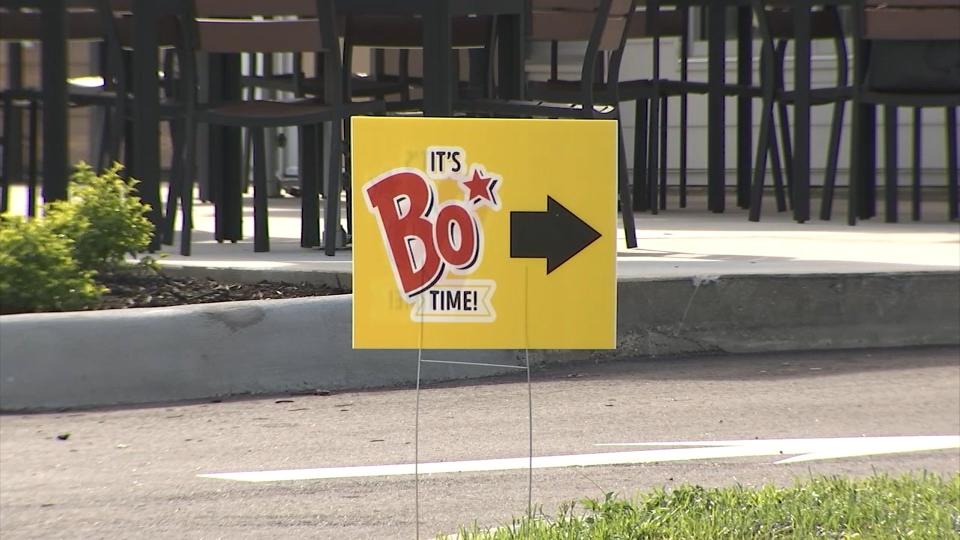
{"points": [[130, 290]]}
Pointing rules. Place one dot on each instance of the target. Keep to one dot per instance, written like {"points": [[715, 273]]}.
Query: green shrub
{"points": [[104, 217], [38, 271]]}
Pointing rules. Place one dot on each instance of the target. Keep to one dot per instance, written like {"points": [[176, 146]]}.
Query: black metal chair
{"points": [[931, 28], [775, 25], [87, 21], [651, 97], [386, 35], [227, 26], [603, 25]]}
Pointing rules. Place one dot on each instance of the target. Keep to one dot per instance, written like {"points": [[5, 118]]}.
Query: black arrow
{"points": [[555, 235]]}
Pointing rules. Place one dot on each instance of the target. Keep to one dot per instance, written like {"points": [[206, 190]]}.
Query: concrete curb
{"points": [[61, 360]]}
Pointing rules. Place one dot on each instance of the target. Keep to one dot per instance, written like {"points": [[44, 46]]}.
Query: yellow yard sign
{"points": [[484, 233]]}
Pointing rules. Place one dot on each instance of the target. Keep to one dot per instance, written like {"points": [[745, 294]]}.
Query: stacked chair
{"points": [[775, 25], [603, 26], [923, 29], [385, 35], [651, 97], [229, 26]]}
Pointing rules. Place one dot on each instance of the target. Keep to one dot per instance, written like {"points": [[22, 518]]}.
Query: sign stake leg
{"points": [[526, 357], [416, 437]]}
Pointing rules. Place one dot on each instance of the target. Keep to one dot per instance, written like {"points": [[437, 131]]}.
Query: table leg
{"points": [[225, 147], [54, 82], [510, 31], [146, 112], [716, 13], [801, 111], [438, 73], [744, 104]]}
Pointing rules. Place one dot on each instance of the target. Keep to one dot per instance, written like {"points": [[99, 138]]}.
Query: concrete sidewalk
{"points": [[675, 243]]}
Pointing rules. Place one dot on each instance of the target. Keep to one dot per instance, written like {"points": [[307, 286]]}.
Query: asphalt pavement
{"points": [[134, 473]]}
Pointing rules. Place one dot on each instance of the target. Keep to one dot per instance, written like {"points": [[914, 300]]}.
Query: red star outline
{"points": [[481, 189]]}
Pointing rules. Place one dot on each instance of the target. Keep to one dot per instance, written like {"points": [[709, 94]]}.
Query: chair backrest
{"points": [[660, 23], [406, 32], [907, 47], [912, 20], [235, 26], [602, 23], [775, 23], [242, 9], [259, 26], [824, 23]]}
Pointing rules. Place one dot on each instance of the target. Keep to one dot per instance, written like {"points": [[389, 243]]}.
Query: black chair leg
{"points": [[309, 187], [175, 187], [110, 137], [4, 181], [784, 116], [653, 153], [348, 208], [917, 163], [663, 154], [129, 163], [640, 131], [953, 182], [890, 161], [261, 229], [777, 166], [857, 155], [245, 159], [32, 145], [331, 216], [684, 76], [102, 145], [833, 156], [683, 150], [769, 80], [321, 146], [626, 207], [186, 179], [11, 149], [759, 171]]}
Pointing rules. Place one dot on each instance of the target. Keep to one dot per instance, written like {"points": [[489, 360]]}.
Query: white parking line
{"points": [[802, 449]]}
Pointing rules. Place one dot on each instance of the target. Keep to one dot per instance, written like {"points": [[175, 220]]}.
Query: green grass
{"points": [[913, 506]]}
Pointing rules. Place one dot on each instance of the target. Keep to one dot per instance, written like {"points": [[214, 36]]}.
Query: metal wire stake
{"points": [[526, 356], [416, 434], [416, 445]]}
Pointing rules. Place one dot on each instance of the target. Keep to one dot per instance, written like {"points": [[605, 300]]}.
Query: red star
{"points": [[481, 190]]}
